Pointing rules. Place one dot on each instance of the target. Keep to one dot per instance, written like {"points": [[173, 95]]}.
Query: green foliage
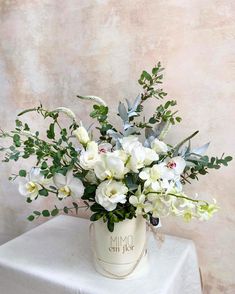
{"points": [[22, 173], [38, 213], [100, 112], [43, 192], [202, 165], [51, 131], [164, 116], [111, 217], [30, 218], [150, 82], [55, 211], [57, 153], [89, 193], [57, 149], [46, 213], [163, 113]]}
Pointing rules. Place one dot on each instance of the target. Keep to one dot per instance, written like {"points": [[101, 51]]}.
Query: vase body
{"points": [[122, 253]]}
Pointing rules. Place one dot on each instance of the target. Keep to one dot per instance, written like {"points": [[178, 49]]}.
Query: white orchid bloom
{"points": [[157, 208], [138, 200], [110, 166], [90, 156], [31, 185], [174, 167], [109, 193], [152, 176], [129, 143], [188, 215], [205, 212], [82, 135], [68, 185], [159, 146], [104, 148]]}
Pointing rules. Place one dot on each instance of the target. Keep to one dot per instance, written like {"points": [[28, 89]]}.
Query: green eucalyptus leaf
{"points": [[54, 212], [110, 226], [43, 192], [37, 212], [31, 218], [22, 173], [46, 213]]}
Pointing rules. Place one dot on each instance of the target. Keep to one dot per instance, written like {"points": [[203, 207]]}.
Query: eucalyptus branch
{"points": [[46, 213]]}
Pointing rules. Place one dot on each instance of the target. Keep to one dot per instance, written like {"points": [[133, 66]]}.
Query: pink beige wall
{"points": [[52, 50]]}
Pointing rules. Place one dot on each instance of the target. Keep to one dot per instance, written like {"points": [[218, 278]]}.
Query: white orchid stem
{"points": [[178, 196], [187, 198]]}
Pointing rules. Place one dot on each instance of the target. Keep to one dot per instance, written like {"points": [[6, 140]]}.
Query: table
{"points": [[55, 258]]}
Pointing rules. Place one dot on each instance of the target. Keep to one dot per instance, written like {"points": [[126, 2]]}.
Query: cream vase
{"points": [[122, 253]]}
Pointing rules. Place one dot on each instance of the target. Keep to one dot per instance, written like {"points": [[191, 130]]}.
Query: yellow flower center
{"points": [[65, 191], [31, 186], [112, 193]]}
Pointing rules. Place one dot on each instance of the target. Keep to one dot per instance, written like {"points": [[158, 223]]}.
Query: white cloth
{"points": [[55, 258]]}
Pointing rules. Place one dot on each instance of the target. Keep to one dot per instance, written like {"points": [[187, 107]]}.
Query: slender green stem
{"points": [[178, 196]]}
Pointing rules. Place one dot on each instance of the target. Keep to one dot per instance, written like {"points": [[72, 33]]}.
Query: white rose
{"points": [[110, 166], [82, 135], [122, 155], [137, 158], [109, 193], [150, 156], [90, 156], [129, 143], [159, 146]]}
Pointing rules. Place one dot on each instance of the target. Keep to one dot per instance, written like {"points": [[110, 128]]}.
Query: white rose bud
{"points": [[159, 146], [82, 135]]}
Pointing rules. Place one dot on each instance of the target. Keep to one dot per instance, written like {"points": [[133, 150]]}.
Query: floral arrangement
{"points": [[121, 174]]}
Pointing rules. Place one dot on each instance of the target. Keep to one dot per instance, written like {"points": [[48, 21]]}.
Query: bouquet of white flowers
{"points": [[121, 174]]}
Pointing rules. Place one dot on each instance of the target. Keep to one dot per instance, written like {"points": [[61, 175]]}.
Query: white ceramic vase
{"points": [[122, 253]]}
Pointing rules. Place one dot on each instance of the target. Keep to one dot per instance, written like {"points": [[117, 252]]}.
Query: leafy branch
{"points": [[54, 212], [201, 166], [100, 112]]}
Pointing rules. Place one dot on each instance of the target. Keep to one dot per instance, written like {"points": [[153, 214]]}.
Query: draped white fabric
{"points": [[55, 258]]}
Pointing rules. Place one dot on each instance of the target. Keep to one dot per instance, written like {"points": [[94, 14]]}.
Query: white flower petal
{"points": [[77, 188], [133, 200], [109, 193], [144, 174], [59, 180], [22, 188], [159, 146], [69, 177], [35, 175], [34, 194]]}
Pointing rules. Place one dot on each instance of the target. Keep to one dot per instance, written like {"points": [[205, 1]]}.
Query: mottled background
{"points": [[52, 50]]}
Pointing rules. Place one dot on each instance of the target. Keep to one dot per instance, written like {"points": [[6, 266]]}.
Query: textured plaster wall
{"points": [[52, 50]]}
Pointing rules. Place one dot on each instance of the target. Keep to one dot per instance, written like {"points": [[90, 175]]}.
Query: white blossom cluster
{"points": [[158, 189]]}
